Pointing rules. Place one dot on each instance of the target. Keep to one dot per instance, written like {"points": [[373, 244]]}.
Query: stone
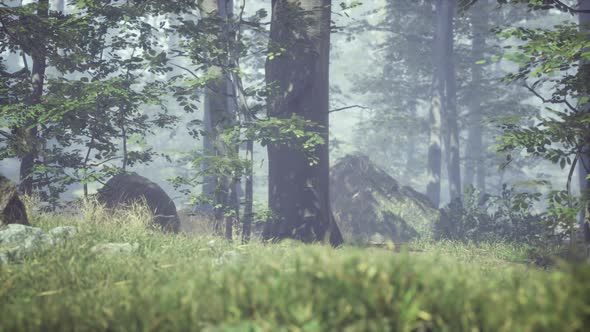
{"points": [[370, 206], [12, 209], [17, 241], [63, 233], [114, 249], [124, 189]]}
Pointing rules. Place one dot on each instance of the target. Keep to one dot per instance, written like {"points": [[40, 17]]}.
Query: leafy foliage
{"points": [[550, 58], [555, 59], [95, 107], [294, 131], [510, 216]]}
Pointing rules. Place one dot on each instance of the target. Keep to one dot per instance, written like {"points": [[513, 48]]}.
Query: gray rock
{"points": [[63, 233], [115, 249], [26, 236], [18, 241], [367, 201]]}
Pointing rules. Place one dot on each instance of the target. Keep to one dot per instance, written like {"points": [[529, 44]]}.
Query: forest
{"points": [[294, 165]]}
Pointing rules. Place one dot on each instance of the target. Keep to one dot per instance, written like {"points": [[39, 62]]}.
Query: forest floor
{"points": [[202, 283]]}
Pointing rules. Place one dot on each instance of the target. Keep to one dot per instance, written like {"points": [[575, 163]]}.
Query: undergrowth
{"points": [[201, 283]]}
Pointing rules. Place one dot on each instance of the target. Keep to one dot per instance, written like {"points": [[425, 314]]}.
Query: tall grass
{"points": [[201, 283]]}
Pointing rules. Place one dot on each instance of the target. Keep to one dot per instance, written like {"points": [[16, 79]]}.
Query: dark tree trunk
{"points": [[584, 157], [29, 131], [249, 199], [299, 191]]}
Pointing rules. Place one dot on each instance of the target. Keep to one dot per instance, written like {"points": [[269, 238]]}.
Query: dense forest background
{"points": [[301, 165], [461, 100]]}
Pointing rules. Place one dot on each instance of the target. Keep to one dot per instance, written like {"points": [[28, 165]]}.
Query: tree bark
{"points": [[249, 199], [474, 161], [437, 102], [29, 130], [299, 79], [209, 183], [453, 147], [584, 157], [220, 114]]}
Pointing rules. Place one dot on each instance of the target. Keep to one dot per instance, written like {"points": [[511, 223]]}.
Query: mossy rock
{"points": [[367, 201]]}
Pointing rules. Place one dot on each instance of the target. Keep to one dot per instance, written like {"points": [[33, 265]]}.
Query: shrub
{"points": [[508, 217]]}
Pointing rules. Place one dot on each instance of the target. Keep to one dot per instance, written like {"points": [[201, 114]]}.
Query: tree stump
{"points": [[12, 209]]}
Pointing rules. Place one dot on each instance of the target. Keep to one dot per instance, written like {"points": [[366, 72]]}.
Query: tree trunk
{"points": [[220, 114], [453, 148], [29, 130], [411, 156], [411, 144], [226, 11], [482, 167], [209, 182], [437, 103], [249, 200], [298, 190], [474, 154], [584, 162]]}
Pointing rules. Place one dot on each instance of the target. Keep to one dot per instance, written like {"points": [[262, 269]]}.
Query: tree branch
{"points": [[551, 101], [562, 6], [17, 74], [570, 175], [102, 162], [195, 76], [184, 68], [348, 107], [254, 24]]}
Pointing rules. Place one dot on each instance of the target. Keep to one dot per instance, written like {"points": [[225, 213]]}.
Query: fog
{"points": [[381, 93]]}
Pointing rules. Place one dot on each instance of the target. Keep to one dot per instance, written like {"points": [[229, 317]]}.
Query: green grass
{"points": [[181, 283]]}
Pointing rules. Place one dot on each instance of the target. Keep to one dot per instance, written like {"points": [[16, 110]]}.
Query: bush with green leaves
{"points": [[553, 59], [509, 216]]}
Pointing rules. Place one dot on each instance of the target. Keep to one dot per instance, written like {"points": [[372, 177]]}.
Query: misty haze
{"points": [[294, 165]]}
